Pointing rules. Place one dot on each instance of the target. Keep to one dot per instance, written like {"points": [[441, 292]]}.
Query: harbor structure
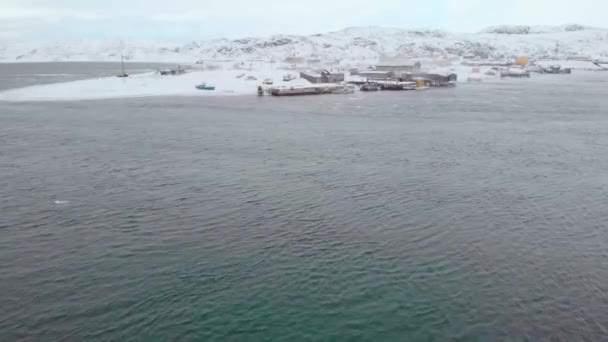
{"points": [[322, 76]]}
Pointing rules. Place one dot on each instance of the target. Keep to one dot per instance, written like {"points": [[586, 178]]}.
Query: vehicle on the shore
{"points": [[179, 70], [251, 78]]}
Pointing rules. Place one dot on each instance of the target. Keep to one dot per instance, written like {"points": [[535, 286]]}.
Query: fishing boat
{"points": [[557, 69], [369, 87], [304, 90], [122, 73], [346, 89], [392, 85], [204, 86]]}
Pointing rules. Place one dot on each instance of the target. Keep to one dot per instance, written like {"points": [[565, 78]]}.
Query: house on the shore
{"points": [[399, 66], [375, 75], [323, 76]]}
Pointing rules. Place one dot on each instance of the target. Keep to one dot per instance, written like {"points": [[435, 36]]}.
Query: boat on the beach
{"points": [[122, 73], [204, 86], [369, 87]]}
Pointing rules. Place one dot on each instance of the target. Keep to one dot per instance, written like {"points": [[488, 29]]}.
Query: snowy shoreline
{"points": [[227, 82], [148, 85]]}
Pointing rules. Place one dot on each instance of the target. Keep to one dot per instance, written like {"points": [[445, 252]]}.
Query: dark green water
{"points": [[469, 214]]}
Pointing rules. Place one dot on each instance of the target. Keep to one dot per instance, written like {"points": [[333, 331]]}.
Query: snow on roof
{"points": [[373, 72], [397, 62], [312, 74], [441, 72]]}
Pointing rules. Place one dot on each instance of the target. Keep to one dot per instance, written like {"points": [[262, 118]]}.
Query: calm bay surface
{"points": [[474, 213]]}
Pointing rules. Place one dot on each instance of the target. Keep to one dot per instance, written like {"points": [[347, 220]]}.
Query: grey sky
{"points": [[183, 20]]}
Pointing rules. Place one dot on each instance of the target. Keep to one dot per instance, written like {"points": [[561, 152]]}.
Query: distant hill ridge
{"points": [[350, 45]]}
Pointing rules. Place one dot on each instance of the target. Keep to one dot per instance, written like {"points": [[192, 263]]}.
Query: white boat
{"points": [[515, 72], [268, 81]]}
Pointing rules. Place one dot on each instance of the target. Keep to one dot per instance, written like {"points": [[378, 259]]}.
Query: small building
{"points": [[376, 75], [323, 76], [399, 66]]}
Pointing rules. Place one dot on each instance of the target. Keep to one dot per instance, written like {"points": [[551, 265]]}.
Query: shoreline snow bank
{"points": [[148, 84]]}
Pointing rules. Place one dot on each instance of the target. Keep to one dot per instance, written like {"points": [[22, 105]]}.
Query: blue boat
{"points": [[204, 86]]}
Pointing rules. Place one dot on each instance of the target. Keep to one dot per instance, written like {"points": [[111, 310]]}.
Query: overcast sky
{"points": [[184, 20]]}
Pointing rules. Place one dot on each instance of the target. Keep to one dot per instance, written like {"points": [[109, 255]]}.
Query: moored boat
{"points": [[345, 89], [369, 87], [204, 86]]}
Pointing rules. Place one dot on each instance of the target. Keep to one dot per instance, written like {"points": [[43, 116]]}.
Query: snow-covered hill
{"points": [[350, 46]]}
